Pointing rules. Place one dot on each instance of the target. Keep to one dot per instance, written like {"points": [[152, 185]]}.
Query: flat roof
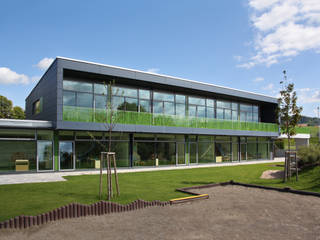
{"points": [[161, 78], [22, 123]]}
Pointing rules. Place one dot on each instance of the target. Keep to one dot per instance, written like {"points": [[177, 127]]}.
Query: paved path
{"points": [[58, 176]]}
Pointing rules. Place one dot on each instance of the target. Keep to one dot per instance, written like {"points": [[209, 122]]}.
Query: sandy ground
{"points": [[232, 212], [272, 174]]}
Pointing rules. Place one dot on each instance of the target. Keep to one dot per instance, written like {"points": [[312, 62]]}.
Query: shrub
{"points": [[309, 155]]}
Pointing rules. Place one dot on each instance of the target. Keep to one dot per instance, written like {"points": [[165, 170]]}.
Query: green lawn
{"points": [[35, 198]]}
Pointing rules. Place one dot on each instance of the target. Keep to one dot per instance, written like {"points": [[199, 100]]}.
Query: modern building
{"points": [[157, 120]]}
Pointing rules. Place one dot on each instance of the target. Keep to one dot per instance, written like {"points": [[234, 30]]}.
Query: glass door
{"points": [[45, 158], [181, 153], [66, 155], [235, 152], [243, 151], [193, 153]]}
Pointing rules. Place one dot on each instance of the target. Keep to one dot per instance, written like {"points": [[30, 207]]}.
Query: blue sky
{"points": [[244, 44]]}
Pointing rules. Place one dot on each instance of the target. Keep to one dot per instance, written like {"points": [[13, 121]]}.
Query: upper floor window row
{"points": [[95, 95], [97, 88]]}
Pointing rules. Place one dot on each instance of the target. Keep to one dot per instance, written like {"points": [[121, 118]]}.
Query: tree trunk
{"points": [[109, 177], [289, 159]]}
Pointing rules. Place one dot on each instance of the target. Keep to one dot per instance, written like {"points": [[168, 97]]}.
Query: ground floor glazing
{"points": [[45, 150]]}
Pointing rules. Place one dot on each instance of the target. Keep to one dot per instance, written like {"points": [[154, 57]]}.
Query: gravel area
{"points": [[272, 174], [231, 212]]}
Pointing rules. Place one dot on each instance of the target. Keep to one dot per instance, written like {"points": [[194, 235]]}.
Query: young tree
{"points": [[110, 124], [109, 118], [288, 112]]}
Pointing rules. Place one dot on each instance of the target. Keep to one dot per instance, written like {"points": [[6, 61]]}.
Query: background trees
{"points": [[8, 111]]}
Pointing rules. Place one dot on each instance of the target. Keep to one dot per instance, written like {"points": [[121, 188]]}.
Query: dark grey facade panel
{"points": [[86, 126], [160, 79], [47, 90]]}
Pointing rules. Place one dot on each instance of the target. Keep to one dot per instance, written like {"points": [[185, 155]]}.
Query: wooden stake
{"points": [[109, 178], [100, 186], [297, 178], [115, 173], [285, 167]]}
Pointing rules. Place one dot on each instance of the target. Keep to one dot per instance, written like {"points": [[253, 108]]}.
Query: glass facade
{"points": [[82, 149], [93, 97]]}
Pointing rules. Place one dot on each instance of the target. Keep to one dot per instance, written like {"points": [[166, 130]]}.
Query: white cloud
{"points": [[262, 4], [283, 29], [237, 58], [258, 79], [44, 63], [153, 70], [7, 76], [308, 95], [35, 79], [268, 87]]}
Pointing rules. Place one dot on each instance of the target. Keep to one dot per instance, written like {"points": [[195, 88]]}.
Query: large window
{"points": [[163, 103], [77, 86], [100, 96], [166, 153], [18, 155], [85, 95], [210, 108], [227, 110], [88, 154], [235, 149], [206, 152], [144, 154], [223, 149], [180, 105], [78, 94], [252, 148], [263, 148], [249, 113], [144, 150], [125, 99], [144, 100], [197, 107]]}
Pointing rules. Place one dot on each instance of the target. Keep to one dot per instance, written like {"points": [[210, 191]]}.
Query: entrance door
{"points": [[193, 153], [66, 155], [181, 154], [45, 158]]}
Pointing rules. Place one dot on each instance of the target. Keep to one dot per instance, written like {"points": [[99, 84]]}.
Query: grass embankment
{"points": [[36, 198]]}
